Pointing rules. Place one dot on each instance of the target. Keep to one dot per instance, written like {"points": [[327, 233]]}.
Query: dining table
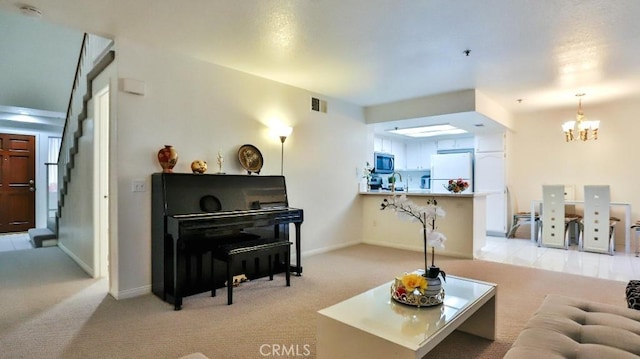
{"points": [[536, 205]]}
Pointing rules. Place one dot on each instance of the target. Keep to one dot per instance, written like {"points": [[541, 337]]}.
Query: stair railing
{"points": [[87, 69]]}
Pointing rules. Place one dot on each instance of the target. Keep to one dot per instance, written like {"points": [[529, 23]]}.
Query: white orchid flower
{"points": [[436, 239]]}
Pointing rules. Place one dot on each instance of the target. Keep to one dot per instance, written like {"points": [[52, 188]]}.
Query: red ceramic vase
{"points": [[168, 157]]}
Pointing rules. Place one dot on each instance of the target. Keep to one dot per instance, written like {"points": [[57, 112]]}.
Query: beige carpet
{"points": [[52, 310]]}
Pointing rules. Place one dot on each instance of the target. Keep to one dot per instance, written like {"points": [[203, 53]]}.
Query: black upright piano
{"points": [[192, 213]]}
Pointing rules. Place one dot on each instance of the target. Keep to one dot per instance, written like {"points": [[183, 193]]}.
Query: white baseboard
{"points": [[416, 249], [76, 259], [132, 293], [328, 249], [144, 290], [124, 294]]}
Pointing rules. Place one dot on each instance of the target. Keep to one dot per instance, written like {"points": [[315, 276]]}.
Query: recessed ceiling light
{"points": [[30, 11], [428, 131]]}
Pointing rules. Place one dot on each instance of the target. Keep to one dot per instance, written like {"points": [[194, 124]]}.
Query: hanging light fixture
{"points": [[587, 130]]}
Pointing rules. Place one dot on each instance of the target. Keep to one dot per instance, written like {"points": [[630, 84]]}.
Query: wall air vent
{"points": [[318, 105]]}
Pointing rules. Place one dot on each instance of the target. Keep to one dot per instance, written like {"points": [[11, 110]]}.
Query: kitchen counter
{"points": [[464, 224], [420, 192]]}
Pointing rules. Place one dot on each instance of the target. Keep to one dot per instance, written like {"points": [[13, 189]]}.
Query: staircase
{"points": [[95, 55]]}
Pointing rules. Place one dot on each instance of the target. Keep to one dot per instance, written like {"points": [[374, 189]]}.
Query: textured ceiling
{"points": [[376, 51]]}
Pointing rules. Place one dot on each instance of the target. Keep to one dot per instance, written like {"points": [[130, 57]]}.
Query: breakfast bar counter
{"points": [[464, 224]]}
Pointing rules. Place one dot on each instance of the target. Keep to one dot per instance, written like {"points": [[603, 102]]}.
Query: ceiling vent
{"points": [[318, 105]]}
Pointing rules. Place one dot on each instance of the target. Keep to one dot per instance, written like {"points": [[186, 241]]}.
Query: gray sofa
{"points": [[566, 327]]}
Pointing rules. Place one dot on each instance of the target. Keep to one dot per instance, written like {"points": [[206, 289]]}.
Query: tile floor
{"points": [[523, 252], [14, 241]]}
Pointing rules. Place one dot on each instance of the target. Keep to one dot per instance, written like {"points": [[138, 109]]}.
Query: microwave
{"points": [[383, 162]]}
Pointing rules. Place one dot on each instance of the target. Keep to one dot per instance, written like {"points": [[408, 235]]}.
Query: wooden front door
{"points": [[17, 183]]}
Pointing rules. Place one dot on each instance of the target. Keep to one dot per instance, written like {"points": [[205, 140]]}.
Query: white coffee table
{"points": [[372, 325]]}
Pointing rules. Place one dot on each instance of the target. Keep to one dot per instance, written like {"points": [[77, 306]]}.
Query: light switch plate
{"points": [[138, 186]]}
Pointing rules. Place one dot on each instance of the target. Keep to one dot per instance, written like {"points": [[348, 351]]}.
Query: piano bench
{"points": [[243, 250]]}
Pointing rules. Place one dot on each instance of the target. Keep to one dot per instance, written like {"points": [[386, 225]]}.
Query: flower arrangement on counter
{"points": [[457, 186], [367, 172]]}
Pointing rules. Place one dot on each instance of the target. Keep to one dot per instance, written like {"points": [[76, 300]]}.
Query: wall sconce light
{"points": [[583, 127], [282, 132]]}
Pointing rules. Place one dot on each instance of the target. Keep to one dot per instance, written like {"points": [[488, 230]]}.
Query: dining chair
{"points": [[521, 218], [597, 226], [553, 227], [636, 227], [571, 218]]}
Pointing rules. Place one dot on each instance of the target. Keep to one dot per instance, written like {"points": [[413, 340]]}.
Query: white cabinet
{"points": [[456, 143], [446, 144], [493, 142], [413, 155], [398, 148], [419, 154], [382, 144], [490, 178], [466, 142]]}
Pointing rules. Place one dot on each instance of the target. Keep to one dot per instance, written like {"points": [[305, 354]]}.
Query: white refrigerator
{"points": [[445, 167]]}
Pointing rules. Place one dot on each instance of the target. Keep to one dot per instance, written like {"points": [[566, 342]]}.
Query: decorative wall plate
{"points": [[250, 158]]}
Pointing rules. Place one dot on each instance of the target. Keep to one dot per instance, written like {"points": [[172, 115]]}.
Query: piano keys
{"points": [[193, 213]]}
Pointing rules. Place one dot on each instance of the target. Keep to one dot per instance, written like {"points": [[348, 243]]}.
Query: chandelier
{"points": [[587, 130]]}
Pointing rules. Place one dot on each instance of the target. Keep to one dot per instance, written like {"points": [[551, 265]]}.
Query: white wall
{"points": [[436, 105], [200, 108], [76, 223], [75, 230], [538, 154]]}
